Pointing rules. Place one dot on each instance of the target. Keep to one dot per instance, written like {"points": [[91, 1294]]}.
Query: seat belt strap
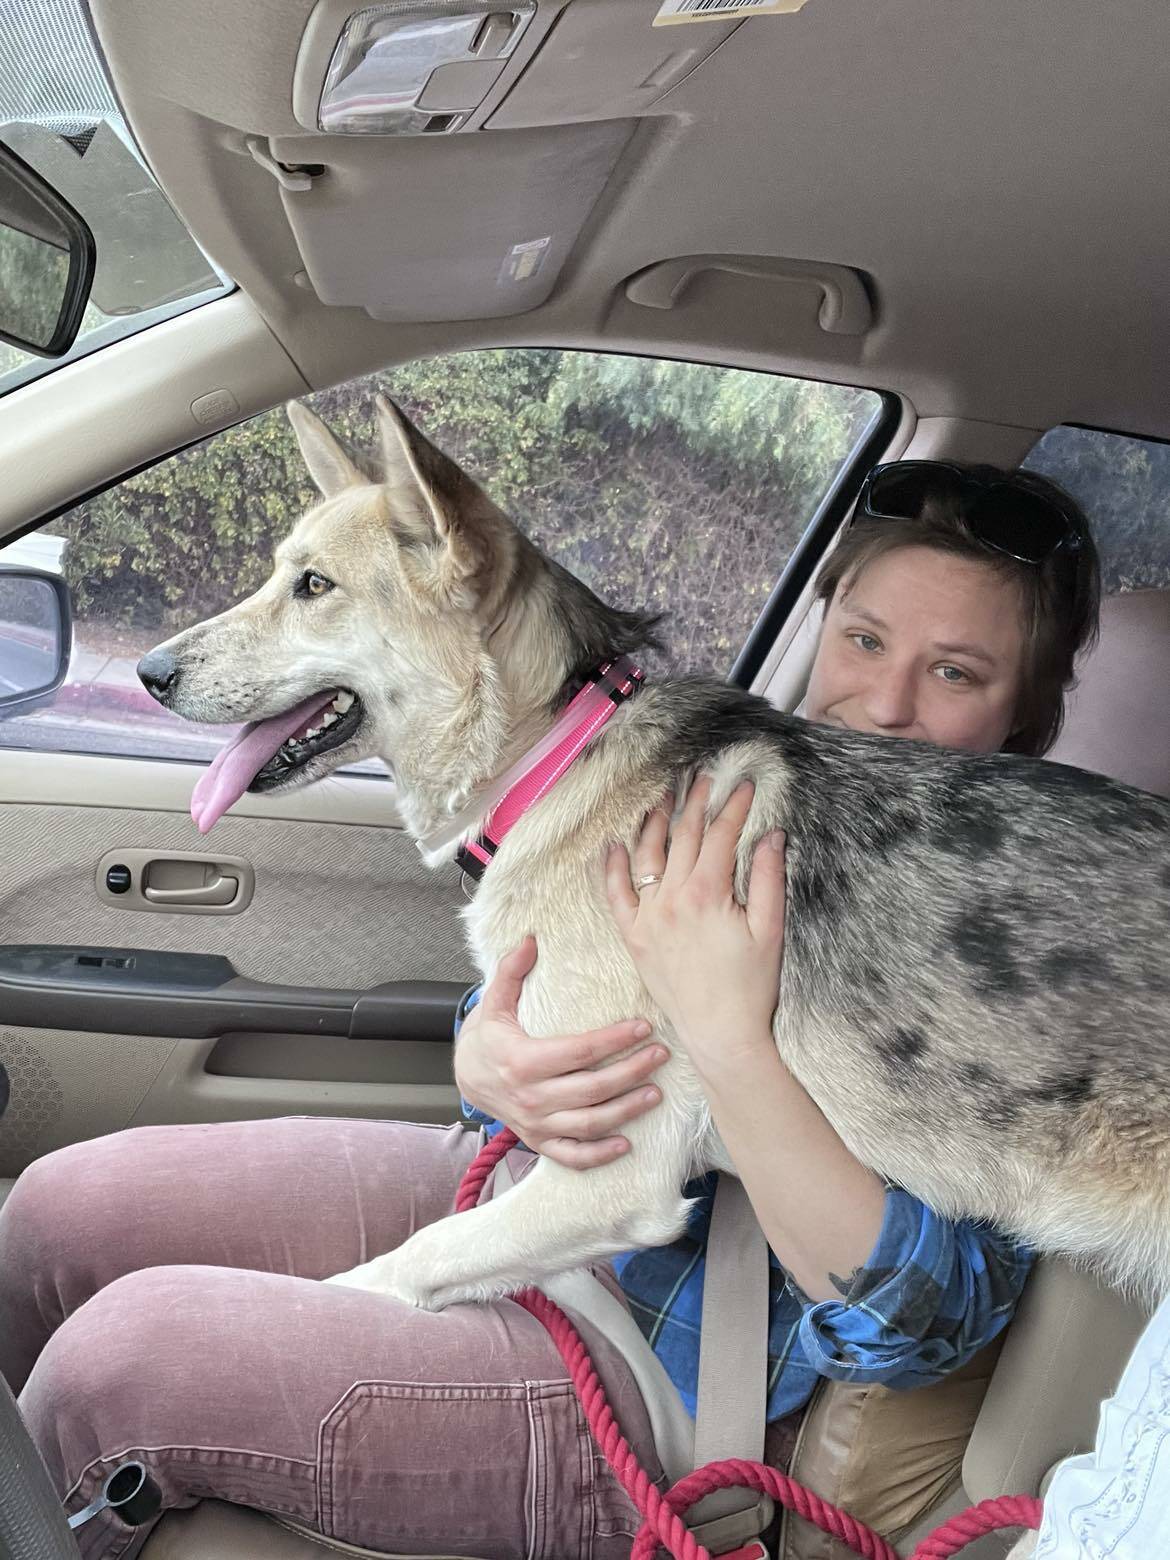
{"points": [[733, 1363], [732, 1399]]}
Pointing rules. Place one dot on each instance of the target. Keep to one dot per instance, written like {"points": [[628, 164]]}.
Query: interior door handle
{"points": [[174, 882], [220, 891]]}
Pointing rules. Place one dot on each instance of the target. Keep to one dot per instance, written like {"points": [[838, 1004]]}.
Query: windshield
{"points": [[58, 112]]}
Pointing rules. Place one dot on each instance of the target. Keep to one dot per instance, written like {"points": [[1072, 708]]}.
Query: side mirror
{"points": [[36, 636], [47, 260]]}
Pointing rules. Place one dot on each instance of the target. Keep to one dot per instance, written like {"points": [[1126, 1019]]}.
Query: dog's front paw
{"points": [[383, 1276]]}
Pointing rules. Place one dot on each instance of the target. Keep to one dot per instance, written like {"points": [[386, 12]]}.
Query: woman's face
{"points": [[925, 645]]}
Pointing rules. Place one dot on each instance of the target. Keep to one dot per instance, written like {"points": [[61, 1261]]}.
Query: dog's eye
{"points": [[313, 584]]}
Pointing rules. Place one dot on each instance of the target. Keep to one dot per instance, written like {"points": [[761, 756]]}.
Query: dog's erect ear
{"points": [[329, 466], [449, 496]]}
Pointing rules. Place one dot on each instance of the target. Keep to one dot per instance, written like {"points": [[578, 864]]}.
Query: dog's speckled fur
{"points": [[976, 984]]}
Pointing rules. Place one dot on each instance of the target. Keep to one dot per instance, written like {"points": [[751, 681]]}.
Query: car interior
{"points": [[954, 206]]}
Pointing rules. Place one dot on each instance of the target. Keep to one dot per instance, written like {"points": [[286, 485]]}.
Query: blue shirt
{"points": [[930, 1295]]}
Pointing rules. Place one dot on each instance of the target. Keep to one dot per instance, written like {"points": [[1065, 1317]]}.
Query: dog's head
{"points": [[401, 619]]}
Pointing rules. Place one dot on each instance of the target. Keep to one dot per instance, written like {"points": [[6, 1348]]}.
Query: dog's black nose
{"points": [[157, 672]]}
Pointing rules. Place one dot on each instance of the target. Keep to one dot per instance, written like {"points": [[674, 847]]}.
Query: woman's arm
{"points": [[713, 967], [931, 1295], [820, 1209], [565, 1095]]}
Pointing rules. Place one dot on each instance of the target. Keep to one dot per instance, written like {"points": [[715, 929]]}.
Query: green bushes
{"points": [[660, 484]]}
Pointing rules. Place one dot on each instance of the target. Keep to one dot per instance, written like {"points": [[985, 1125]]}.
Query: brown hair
{"points": [[1061, 596]]}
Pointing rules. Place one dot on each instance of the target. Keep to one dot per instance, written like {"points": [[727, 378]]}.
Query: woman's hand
{"points": [[563, 1096], [713, 967], [711, 964]]}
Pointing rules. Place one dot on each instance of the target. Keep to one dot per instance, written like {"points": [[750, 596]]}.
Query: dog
{"points": [[976, 979]]}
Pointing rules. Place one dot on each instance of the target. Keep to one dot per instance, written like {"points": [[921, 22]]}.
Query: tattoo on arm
{"points": [[844, 1285]]}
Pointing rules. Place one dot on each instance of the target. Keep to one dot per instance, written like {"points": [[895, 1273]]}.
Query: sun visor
{"points": [[492, 218]]}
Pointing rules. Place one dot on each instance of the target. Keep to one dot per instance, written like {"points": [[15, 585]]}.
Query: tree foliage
{"points": [[34, 277], [665, 485], [1123, 485]]}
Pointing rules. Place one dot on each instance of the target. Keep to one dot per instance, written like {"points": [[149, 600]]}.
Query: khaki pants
{"points": [[885, 1457]]}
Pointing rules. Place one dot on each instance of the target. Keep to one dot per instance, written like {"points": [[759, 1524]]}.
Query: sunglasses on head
{"points": [[995, 512]]}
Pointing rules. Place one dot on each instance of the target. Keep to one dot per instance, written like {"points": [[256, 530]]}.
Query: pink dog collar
{"points": [[606, 691]]}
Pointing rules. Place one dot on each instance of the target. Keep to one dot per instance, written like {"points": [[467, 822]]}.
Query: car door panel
{"points": [[339, 907]]}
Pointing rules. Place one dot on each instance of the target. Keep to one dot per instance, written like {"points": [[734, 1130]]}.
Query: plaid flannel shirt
{"points": [[931, 1294]]}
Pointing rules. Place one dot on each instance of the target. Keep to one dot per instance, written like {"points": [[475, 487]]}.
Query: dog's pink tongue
{"points": [[235, 767]]}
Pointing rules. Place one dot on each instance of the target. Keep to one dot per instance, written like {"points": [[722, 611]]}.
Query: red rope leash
{"points": [[988, 1516], [663, 1513]]}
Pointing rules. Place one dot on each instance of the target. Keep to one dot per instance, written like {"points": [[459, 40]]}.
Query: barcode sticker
{"points": [[672, 11], [522, 261]]}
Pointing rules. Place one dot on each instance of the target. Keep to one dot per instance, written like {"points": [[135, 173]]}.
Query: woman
{"points": [[153, 1284]]}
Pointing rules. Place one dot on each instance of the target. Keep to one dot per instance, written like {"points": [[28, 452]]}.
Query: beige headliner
{"points": [[996, 168]]}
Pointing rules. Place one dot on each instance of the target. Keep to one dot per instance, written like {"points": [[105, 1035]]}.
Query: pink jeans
{"points": [[158, 1300]]}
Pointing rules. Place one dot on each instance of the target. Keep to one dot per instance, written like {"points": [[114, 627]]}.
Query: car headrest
{"points": [[1118, 717]]}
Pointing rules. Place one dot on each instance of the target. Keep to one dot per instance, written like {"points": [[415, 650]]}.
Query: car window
{"points": [[1123, 484], [58, 113], [676, 486]]}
